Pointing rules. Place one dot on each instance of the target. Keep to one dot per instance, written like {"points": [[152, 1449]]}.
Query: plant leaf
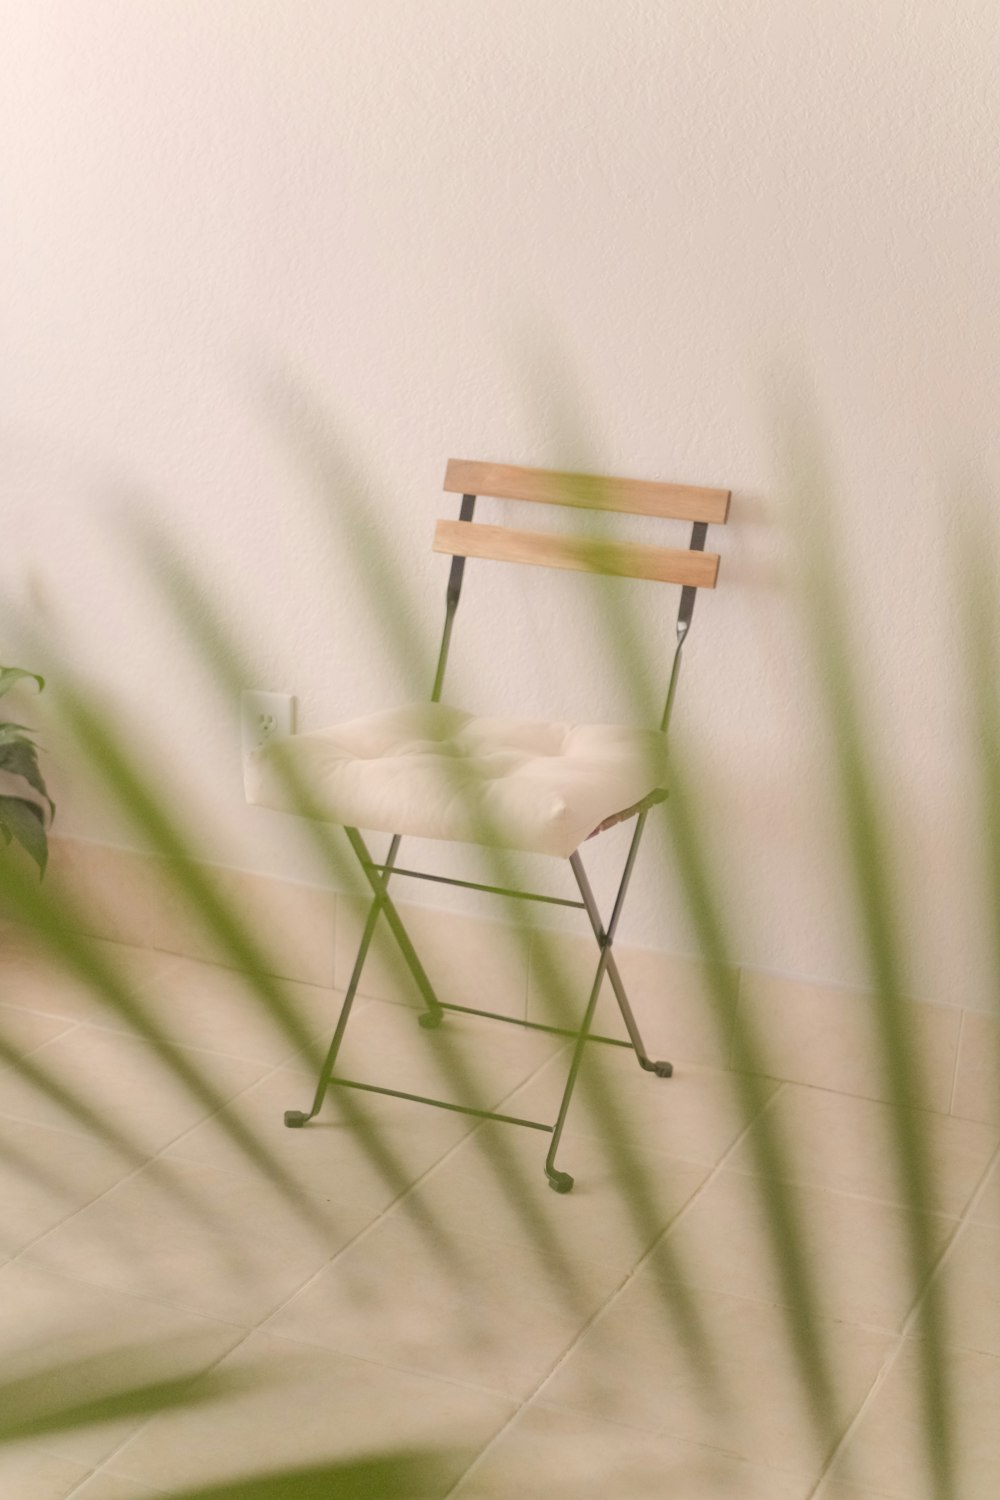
{"points": [[128, 1381], [10, 675], [397, 1476], [20, 757], [9, 732], [25, 822]]}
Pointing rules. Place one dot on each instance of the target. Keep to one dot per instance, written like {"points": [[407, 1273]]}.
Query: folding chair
{"points": [[431, 771]]}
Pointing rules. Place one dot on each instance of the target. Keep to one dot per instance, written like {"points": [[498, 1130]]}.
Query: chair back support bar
{"points": [[583, 554], [640, 497]]}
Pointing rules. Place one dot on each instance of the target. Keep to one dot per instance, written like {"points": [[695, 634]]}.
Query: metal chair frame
{"points": [[378, 875]]}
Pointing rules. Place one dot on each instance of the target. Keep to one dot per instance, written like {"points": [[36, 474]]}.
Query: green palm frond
{"points": [[69, 1395]]}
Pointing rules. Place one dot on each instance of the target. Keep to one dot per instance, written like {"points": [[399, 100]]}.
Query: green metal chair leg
{"points": [[562, 1182], [605, 939], [296, 1118], [434, 1013], [432, 1016]]}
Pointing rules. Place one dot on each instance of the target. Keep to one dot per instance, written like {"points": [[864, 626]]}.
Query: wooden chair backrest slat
{"points": [[583, 554], [641, 497]]}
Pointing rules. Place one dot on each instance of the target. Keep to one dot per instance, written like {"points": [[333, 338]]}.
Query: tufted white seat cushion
{"points": [[431, 771]]}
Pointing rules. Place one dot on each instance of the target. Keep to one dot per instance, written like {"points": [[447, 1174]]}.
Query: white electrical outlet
{"points": [[265, 717]]}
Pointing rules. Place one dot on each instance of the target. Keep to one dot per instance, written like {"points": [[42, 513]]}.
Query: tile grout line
{"points": [[893, 1353], [716, 1170], [59, 1274], [37, 1010], [801, 1185], [742, 970], [958, 1058], [94, 1473], [368, 1229], [80, 1134], [610, 1300], [258, 1326], [718, 1167], [239, 1057], [411, 1187], [71, 1027], [948, 1249], [980, 1192], [878, 1381], [247, 1330], [741, 973], [134, 1171], [167, 1161], [108, 1458], [131, 1035], [737, 1016]]}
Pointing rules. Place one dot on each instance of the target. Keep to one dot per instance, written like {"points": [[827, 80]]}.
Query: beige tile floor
{"points": [[402, 1279]]}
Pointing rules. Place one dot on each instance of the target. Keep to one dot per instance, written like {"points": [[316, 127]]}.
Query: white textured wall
{"points": [[631, 235]]}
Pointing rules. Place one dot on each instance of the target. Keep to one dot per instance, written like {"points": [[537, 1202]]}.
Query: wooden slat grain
{"points": [[583, 554], [641, 497]]}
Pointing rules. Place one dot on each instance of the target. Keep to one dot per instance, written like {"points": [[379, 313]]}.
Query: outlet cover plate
{"points": [[265, 717]]}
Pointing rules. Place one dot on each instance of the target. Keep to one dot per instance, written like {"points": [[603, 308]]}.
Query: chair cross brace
{"points": [[475, 885], [378, 876]]}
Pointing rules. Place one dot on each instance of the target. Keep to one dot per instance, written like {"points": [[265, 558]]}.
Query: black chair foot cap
{"points": [[431, 1019], [560, 1182], [661, 1069], [296, 1118]]}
